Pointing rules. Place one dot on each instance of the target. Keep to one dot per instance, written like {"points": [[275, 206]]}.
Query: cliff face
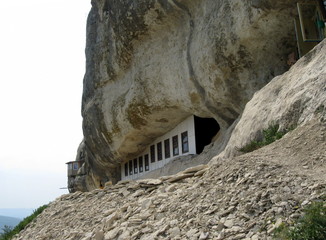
{"points": [[241, 197], [289, 100], [152, 63]]}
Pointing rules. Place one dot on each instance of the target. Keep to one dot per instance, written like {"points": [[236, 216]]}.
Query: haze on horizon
{"points": [[42, 66]]}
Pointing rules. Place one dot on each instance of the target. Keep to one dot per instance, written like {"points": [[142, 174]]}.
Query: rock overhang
{"points": [[152, 64]]}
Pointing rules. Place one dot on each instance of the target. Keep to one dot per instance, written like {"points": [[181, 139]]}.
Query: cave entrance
{"points": [[205, 130]]}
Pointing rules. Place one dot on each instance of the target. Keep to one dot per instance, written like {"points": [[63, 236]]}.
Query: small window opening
{"points": [[185, 143], [140, 161], [126, 169], [159, 151], [167, 148], [146, 162], [135, 166], [175, 145], [75, 166], [152, 150], [130, 167]]}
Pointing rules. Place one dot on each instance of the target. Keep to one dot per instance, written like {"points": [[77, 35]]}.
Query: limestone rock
{"points": [[99, 235], [179, 177], [290, 100], [229, 223], [174, 232], [149, 182], [238, 197], [111, 234], [110, 219], [152, 63], [203, 235], [195, 169], [235, 199]]}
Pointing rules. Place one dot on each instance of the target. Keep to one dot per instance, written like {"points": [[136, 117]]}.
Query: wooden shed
{"points": [[73, 168]]}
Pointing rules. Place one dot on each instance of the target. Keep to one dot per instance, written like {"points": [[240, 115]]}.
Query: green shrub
{"points": [[8, 232], [270, 135], [311, 226], [252, 146]]}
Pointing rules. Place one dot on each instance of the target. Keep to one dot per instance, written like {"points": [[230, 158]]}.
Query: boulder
{"points": [[152, 63], [289, 100]]}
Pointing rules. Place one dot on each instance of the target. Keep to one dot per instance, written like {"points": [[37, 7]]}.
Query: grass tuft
{"points": [[311, 226], [271, 134]]}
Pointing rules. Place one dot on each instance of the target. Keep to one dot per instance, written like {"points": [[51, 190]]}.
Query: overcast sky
{"points": [[42, 63]]}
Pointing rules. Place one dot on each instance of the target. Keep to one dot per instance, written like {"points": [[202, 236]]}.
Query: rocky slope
{"points": [[245, 197], [233, 197], [289, 100], [152, 63]]}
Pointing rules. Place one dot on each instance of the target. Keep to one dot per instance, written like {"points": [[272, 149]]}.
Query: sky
{"points": [[42, 63]]}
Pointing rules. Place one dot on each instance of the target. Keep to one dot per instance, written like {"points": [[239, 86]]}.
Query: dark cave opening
{"points": [[205, 130]]}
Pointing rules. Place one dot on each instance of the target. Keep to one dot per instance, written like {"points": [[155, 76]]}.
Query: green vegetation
{"points": [[311, 226], [9, 221], [8, 232], [270, 135]]}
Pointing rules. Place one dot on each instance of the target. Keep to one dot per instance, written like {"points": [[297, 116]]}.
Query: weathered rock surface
{"points": [[245, 197], [288, 100], [152, 63], [240, 197]]}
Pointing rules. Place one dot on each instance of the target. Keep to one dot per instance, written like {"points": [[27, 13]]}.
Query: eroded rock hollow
{"points": [[152, 63]]}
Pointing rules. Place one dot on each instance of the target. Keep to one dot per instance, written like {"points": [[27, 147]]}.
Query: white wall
{"points": [[186, 125]]}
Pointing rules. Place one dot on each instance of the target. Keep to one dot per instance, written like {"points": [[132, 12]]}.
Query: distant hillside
{"points": [[16, 212], [9, 221]]}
